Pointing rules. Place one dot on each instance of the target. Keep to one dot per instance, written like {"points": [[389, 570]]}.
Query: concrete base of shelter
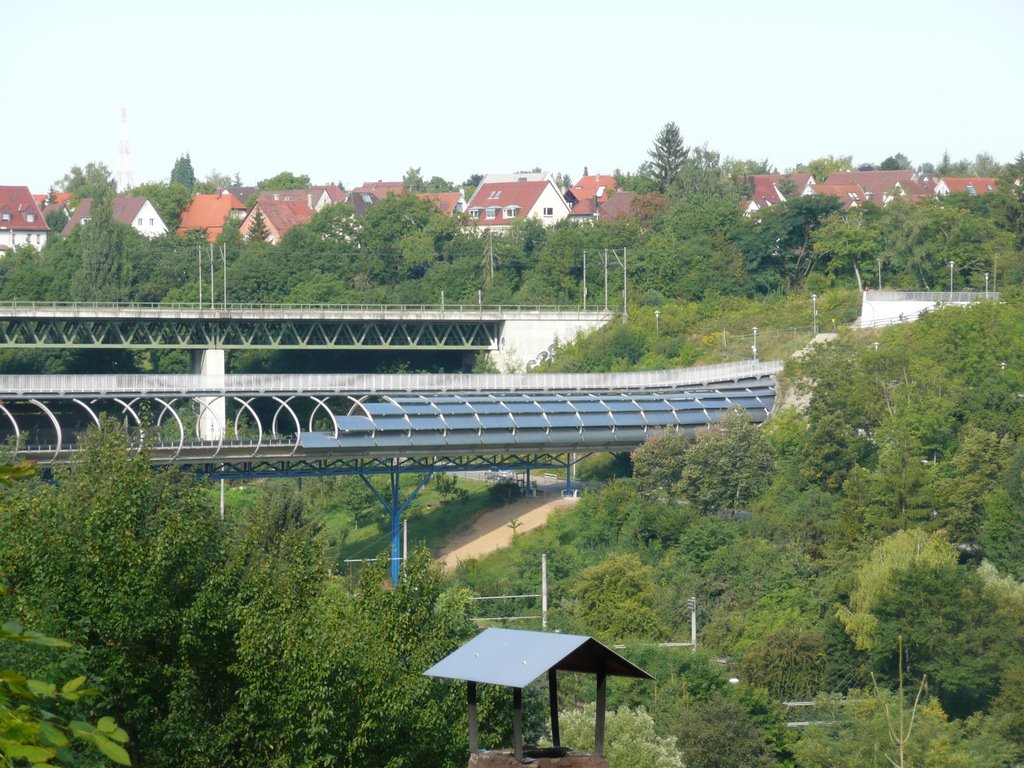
{"points": [[504, 759]]}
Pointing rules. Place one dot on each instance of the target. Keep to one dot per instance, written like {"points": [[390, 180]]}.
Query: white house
{"points": [[137, 212], [496, 204], [21, 221]]}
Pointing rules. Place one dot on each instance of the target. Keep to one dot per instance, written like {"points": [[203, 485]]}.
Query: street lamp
{"points": [[657, 322], [814, 305], [951, 265], [754, 348]]}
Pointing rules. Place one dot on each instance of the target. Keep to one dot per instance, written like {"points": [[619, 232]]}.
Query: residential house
{"points": [[448, 203], [495, 205], [136, 212], [850, 195], [879, 186], [283, 210], [588, 194], [21, 221], [978, 185], [381, 189], [618, 206], [361, 202], [769, 189], [331, 192], [210, 214]]}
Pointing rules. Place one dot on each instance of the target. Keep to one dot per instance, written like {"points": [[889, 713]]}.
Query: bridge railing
{"points": [[196, 385], [222, 310]]}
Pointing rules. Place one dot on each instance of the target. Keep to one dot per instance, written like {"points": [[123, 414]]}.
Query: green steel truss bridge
{"points": [[252, 326]]}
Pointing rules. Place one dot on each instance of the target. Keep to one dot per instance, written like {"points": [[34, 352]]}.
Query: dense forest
{"points": [[862, 550]]}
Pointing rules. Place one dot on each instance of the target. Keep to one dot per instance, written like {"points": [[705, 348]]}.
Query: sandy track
{"points": [[490, 531]]}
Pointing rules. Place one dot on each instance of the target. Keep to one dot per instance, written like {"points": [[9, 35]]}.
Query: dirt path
{"points": [[490, 531]]}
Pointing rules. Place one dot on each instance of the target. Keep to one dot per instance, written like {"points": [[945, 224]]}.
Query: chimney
{"points": [[309, 199]]}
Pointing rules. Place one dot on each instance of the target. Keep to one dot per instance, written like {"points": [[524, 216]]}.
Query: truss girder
{"points": [[229, 333]]}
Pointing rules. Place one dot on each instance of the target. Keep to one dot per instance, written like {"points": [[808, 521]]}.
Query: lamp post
{"points": [[986, 285], [754, 347], [657, 322], [879, 274], [951, 265], [814, 305]]}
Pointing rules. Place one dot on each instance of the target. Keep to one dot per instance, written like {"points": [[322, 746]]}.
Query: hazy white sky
{"points": [[353, 91]]}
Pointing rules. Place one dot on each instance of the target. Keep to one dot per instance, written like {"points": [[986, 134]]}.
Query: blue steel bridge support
{"points": [[395, 507]]}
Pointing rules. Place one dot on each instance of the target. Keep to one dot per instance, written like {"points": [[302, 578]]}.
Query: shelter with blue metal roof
{"points": [[515, 658]]}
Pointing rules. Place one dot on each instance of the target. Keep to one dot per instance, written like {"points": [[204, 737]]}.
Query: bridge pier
{"points": [[395, 507], [211, 425]]}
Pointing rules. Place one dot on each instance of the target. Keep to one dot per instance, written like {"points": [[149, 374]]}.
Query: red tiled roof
{"points": [[446, 202], [209, 212], [17, 204], [334, 192], [617, 206], [125, 211], [381, 189], [848, 194], [283, 214], [589, 187], [980, 184], [876, 184], [522, 195], [585, 207]]}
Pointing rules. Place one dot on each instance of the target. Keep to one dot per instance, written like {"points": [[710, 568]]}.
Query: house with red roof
{"points": [[879, 186], [975, 185], [281, 211], [496, 204], [137, 212], [21, 221], [768, 189], [588, 194], [210, 214], [850, 195], [448, 203], [381, 189]]}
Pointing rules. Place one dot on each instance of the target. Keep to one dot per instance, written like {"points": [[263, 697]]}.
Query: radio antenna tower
{"points": [[124, 160]]}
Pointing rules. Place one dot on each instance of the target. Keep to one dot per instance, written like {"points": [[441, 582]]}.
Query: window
{"points": [[511, 212], [494, 194], [5, 216], [474, 213], [492, 212], [971, 190], [549, 211], [151, 223], [30, 217], [140, 221]]}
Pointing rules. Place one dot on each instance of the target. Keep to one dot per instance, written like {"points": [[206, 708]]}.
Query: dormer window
{"points": [[5, 216], [971, 190], [511, 212], [30, 217], [474, 213], [492, 212]]}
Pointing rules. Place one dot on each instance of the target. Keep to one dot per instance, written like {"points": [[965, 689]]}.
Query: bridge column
{"points": [[212, 411]]}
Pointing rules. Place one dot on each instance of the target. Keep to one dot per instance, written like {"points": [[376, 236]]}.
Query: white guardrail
{"points": [[386, 383]]}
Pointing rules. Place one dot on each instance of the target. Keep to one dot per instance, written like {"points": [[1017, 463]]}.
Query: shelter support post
{"points": [[602, 694], [395, 507], [474, 737], [556, 739], [517, 723]]}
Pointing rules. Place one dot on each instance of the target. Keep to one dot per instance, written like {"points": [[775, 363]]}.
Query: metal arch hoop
{"points": [[295, 418], [259, 424], [181, 427], [220, 440], [17, 430], [138, 422], [321, 402], [90, 411], [56, 425], [357, 402]]}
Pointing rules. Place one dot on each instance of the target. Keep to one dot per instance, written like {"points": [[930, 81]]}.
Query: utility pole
{"points": [[605, 279], [622, 263], [224, 263], [199, 252], [584, 280], [213, 291]]}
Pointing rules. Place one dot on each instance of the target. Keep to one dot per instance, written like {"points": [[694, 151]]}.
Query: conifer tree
{"points": [[183, 173]]}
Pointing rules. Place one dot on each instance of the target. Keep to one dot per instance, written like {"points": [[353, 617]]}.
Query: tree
{"points": [[630, 737], [413, 180], [668, 156], [95, 182], [615, 600], [183, 174], [821, 167], [284, 180], [258, 230], [168, 199], [719, 733], [658, 463], [729, 466], [105, 273], [897, 162], [850, 238]]}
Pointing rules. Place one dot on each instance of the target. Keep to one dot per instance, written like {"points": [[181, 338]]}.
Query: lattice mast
{"points": [[124, 160]]}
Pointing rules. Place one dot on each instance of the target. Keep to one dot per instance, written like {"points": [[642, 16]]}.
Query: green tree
{"points": [[413, 180], [668, 155], [284, 180], [719, 733], [105, 273], [615, 600], [182, 173], [846, 240], [897, 162], [729, 465], [658, 463], [94, 181], [168, 199], [258, 230], [630, 737], [821, 167]]}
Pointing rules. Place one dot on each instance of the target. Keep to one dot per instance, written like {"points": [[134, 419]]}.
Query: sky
{"points": [[349, 92]]}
